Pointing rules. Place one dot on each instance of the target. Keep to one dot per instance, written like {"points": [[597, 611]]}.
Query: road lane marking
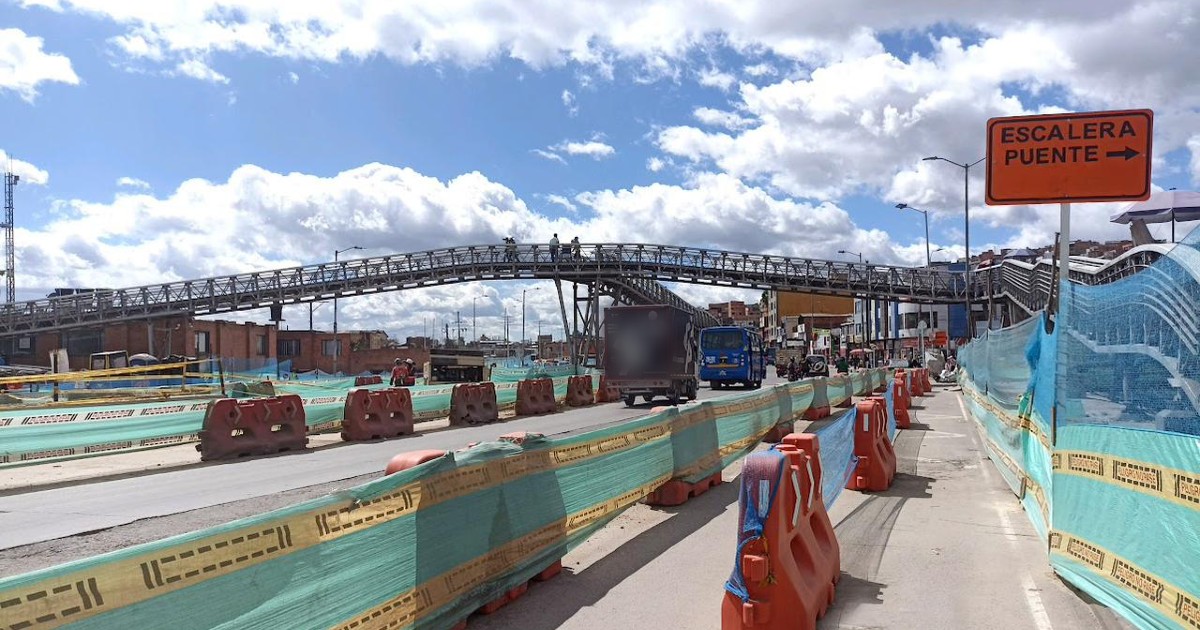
{"points": [[1034, 600]]}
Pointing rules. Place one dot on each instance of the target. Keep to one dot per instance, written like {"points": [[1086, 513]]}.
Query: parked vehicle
{"points": [[732, 354], [816, 365], [651, 351]]}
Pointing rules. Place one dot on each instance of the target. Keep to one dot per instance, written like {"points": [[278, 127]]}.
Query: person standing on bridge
{"points": [[575, 249], [554, 247]]}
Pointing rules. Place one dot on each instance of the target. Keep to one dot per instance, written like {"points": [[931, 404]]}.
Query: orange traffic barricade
{"points": [[788, 560]]}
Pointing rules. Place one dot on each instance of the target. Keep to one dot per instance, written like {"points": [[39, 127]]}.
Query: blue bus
{"points": [[731, 354]]}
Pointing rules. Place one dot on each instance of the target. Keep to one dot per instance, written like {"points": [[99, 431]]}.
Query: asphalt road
{"points": [[947, 547], [45, 515]]}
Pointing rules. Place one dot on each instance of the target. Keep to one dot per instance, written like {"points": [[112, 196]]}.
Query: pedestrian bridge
{"points": [[628, 271]]}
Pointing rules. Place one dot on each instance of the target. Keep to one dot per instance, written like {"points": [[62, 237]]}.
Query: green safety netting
{"points": [[1096, 425], [41, 435], [422, 548]]}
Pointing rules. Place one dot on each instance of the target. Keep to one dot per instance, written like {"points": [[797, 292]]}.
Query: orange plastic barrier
{"points": [[900, 400], [236, 428], [925, 380], [579, 391], [607, 393], [876, 460], [820, 402], [411, 459], [473, 403], [916, 385], [359, 381], [787, 570], [375, 415], [536, 397]]}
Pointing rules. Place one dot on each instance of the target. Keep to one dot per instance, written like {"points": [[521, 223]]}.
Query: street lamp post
{"points": [[474, 326], [928, 264], [523, 292], [337, 343], [966, 231]]}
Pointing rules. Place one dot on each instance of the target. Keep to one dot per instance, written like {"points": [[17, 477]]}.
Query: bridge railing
{"points": [[649, 262]]}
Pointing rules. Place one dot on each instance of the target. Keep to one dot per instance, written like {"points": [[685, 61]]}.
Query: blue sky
{"points": [[824, 144]]}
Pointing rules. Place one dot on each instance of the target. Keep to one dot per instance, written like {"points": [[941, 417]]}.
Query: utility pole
{"points": [[10, 260]]}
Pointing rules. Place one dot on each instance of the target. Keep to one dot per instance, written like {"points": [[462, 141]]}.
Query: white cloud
{"points": [[197, 69], [24, 65], [718, 118], [540, 33], [205, 228], [656, 164], [133, 182], [595, 148], [712, 77], [562, 201], [568, 101], [28, 173], [1194, 147], [550, 155], [591, 148], [293, 77], [760, 70]]}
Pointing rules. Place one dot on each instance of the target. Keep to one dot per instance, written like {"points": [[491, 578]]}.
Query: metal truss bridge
{"points": [[629, 273]]}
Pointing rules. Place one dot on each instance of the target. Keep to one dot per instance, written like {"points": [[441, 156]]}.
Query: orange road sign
{"points": [[1088, 156]]}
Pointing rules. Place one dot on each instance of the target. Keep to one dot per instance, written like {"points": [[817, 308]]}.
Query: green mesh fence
{"points": [[419, 549], [1096, 424], [29, 436]]}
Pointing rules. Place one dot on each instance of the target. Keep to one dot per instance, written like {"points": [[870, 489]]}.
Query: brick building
{"points": [[161, 337], [360, 351], [735, 313]]}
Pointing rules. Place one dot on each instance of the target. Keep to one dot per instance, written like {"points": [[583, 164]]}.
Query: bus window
{"points": [[723, 340]]}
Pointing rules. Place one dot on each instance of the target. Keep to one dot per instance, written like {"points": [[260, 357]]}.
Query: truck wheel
{"points": [[714, 385], [648, 398], [694, 391], [629, 400]]}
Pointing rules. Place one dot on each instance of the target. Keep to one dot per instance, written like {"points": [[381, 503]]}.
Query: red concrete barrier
{"points": [[261, 426], [286, 428], [876, 460], [777, 432], [579, 391], [376, 415], [677, 491], [788, 559], [607, 393], [536, 397], [359, 381], [473, 403]]}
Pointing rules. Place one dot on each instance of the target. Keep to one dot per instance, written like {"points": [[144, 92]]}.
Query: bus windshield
{"points": [[723, 340]]}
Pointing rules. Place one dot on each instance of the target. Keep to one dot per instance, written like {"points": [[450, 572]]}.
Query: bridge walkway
{"points": [[947, 547]]}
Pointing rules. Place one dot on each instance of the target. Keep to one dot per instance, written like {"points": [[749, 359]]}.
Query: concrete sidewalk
{"points": [[948, 546]]}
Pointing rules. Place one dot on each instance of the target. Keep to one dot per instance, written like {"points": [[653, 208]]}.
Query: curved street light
{"points": [[966, 229], [337, 343]]}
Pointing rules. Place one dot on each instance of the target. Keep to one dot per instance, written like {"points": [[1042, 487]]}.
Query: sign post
{"points": [[921, 327], [1063, 158]]}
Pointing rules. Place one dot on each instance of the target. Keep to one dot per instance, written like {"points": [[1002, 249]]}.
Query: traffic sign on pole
{"points": [[1063, 158]]}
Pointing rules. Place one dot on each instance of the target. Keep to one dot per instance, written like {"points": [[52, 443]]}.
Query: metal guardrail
{"points": [[635, 268]]}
